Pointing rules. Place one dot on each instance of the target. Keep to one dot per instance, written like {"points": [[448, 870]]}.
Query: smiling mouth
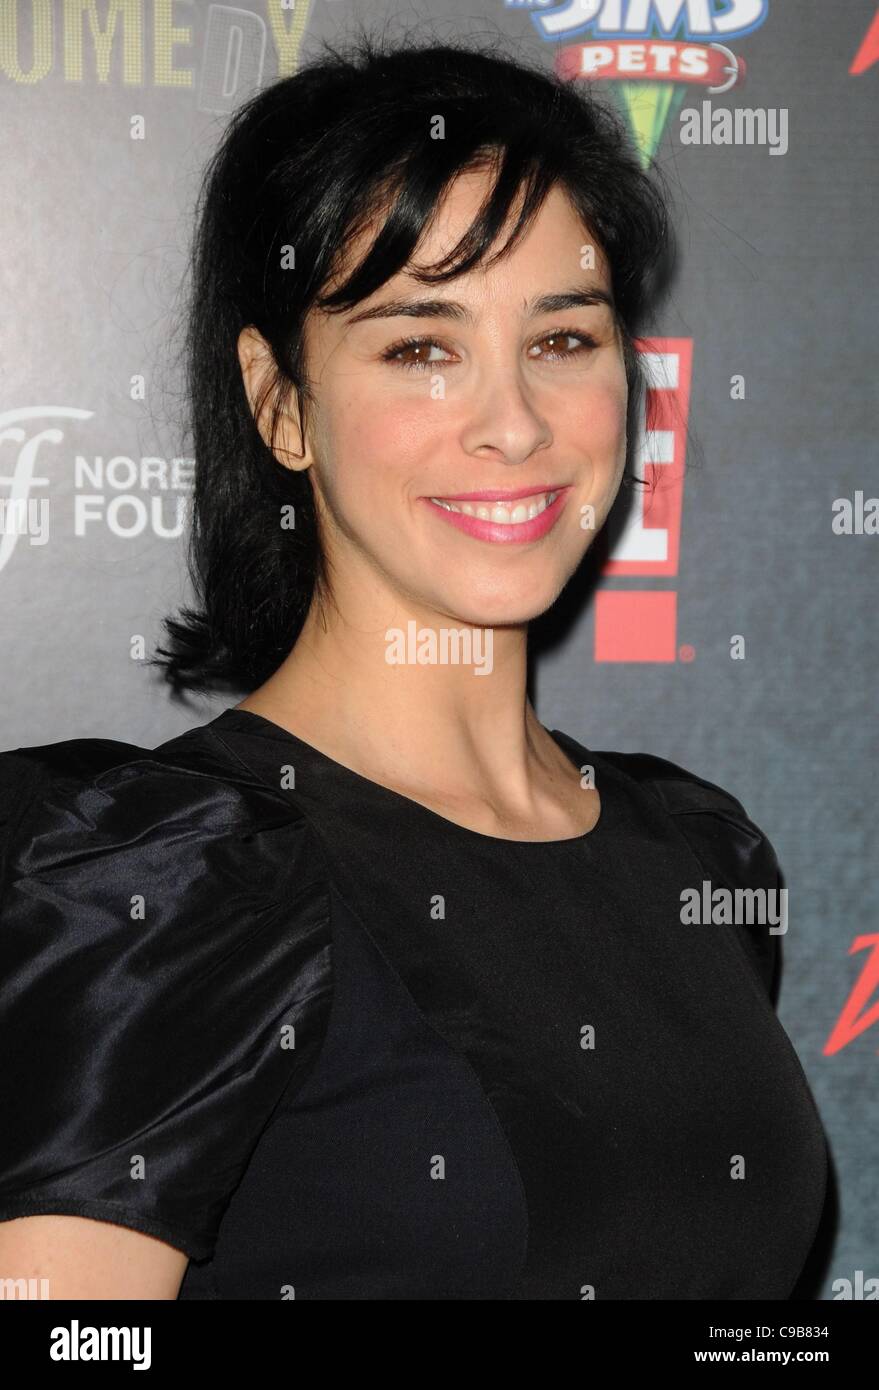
{"points": [[502, 510]]}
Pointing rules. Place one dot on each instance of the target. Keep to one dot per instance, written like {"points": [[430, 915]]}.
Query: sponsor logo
{"points": [[125, 496], [638, 624], [220, 57], [869, 50], [650, 51], [856, 1017]]}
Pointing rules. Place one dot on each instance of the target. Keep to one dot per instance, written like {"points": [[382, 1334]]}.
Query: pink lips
{"points": [[499, 531]]}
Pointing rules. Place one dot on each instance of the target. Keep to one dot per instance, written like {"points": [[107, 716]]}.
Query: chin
{"points": [[499, 609]]}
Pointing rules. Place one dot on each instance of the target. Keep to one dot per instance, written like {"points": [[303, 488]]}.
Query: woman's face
{"points": [[500, 394]]}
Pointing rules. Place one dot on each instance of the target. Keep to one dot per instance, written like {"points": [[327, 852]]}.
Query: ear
{"points": [[257, 366]]}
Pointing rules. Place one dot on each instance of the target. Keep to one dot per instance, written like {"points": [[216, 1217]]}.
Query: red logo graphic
{"points": [[641, 624], [705, 65], [849, 1025], [868, 51]]}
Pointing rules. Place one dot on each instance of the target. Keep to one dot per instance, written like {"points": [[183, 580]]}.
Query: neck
{"points": [[425, 701]]}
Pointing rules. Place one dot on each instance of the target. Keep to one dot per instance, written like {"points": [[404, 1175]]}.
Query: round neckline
{"points": [[562, 740]]}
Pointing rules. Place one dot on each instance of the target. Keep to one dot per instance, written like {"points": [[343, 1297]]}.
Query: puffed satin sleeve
{"points": [[165, 978], [733, 851]]}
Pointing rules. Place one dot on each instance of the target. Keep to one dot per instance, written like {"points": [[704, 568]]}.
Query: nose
{"points": [[504, 417]]}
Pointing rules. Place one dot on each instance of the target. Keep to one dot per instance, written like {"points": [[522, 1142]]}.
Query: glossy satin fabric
{"points": [[437, 1130], [148, 966]]}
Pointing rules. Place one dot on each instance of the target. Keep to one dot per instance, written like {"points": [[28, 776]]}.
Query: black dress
{"points": [[335, 1046]]}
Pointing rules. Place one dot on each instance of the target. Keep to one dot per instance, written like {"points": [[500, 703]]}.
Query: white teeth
{"points": [[524, 509]]}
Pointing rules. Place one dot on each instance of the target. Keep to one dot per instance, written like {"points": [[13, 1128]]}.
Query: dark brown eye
{"points": [[420, 348], [559, 344]]}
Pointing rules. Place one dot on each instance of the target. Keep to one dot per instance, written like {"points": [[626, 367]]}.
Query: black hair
{"points": [[302, 168]]}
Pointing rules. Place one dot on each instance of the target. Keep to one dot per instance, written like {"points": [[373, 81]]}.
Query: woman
{"points": [[372, 987]]}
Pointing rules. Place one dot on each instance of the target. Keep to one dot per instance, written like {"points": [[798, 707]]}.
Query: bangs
{"points": [[409, 201]]}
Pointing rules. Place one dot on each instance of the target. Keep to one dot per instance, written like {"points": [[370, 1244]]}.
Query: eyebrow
{"points": [[575, 298]]}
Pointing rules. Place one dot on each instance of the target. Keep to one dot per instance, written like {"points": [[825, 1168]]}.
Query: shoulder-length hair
{"points": [[302, 168]]}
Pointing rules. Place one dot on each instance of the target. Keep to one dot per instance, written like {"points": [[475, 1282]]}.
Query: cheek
{"points": [[379, 444], [595, 422]]}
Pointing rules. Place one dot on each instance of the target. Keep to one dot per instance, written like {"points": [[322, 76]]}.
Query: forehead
{"points": [[556, 222], [557, 243]]}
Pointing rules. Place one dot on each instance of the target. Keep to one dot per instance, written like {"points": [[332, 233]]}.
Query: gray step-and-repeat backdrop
{"points": [[730, 625]]}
